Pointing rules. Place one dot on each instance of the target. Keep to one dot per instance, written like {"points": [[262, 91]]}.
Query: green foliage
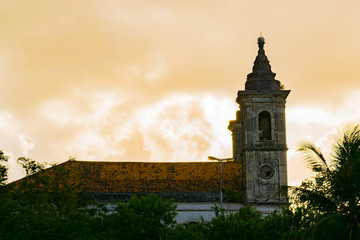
{"points": [[30, 166], [233, 196], [48, 191], [333, 195], [34, 207], [288, 224], [153, 209], [248, 223], [187, 231], [147, 217], [47, 207], [244, 224]]}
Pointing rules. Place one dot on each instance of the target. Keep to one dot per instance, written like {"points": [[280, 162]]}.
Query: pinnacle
{"points": [[261, 77]]}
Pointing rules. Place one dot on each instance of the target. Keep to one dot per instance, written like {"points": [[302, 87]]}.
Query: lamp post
{"points": [[220, 160]]}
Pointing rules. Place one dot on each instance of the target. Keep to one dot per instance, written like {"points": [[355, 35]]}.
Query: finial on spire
{"points": [[261, 42]]}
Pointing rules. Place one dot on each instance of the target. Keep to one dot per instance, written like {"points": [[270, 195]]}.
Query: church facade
{"points": [[255, 177]]}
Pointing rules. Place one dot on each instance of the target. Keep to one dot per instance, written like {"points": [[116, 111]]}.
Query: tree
{"points": [[187, 231], [39, 204], [30, 166], [146, 217], [333, 195], [3, 168], [288, 224], [245, 224]]}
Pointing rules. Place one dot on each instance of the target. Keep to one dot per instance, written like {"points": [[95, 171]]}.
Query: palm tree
{"points": [[333, 195]]}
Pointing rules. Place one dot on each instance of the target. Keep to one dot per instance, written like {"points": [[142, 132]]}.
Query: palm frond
{"points": [[346, 158], [313, 157], [347, 145], [312, 197]]}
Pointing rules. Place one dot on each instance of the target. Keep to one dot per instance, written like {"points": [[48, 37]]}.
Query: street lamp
{"points": [[220, 160]]}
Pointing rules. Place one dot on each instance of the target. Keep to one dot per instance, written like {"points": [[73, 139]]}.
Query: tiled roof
{"points": [[157, 176], [188, 181]]}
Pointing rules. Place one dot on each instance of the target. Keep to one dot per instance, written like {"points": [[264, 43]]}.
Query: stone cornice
{"points": [[265, 147]]}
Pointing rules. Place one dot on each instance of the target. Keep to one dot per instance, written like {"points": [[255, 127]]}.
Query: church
{"points": [[254, 177]]}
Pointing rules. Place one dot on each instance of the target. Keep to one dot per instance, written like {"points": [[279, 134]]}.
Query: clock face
{"points": [[266, 171]]}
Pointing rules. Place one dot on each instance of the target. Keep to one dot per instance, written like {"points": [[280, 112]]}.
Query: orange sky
{"points": [[157, 80]]}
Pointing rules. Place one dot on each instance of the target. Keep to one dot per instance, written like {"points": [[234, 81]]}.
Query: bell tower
{"points": [[259, 133]]}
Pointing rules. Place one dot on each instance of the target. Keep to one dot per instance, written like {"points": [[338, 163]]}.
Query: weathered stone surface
{"points": [[259, 134]]}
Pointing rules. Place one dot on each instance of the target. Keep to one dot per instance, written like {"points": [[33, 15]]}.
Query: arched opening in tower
{"points": [[265, 125]]}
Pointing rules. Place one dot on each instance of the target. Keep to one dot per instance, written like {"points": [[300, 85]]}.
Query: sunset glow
{"points": [[157, 80]]}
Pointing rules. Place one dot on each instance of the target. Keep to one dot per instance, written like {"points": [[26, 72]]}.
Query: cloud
{"points": [[10, 128], [186, 128], [319, 124], [157, 80], [99, 125]]}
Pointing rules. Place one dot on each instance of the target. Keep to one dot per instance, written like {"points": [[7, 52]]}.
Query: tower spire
{"points": [[261, 78]]}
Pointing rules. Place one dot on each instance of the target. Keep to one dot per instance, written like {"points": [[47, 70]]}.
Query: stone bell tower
{"points": [[259, 134]]}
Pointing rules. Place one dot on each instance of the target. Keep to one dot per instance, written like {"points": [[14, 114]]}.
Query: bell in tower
{"points": [[259, 133]]}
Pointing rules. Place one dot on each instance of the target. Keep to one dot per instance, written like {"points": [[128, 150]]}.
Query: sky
{"points": [[157, 80]]}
